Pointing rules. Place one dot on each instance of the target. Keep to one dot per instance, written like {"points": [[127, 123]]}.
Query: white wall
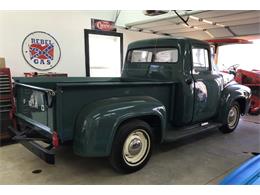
{"points": [[67, 27]]}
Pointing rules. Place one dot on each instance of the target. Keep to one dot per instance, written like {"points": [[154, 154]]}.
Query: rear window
{"points": [[148, 55]]}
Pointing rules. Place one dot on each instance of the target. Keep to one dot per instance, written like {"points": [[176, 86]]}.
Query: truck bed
{"points": [[72, 94]]}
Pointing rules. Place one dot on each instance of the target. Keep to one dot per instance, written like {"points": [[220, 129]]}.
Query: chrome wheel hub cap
{"points": [[232, 117], [136, 147]]}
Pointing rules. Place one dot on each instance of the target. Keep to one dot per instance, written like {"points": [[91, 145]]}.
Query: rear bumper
{"points": [[45, 153]]}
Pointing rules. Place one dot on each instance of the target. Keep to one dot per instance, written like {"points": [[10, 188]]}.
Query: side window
{"points": [[200, 59]]}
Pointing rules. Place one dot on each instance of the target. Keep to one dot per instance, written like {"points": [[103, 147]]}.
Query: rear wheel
{"points": [[132, 146], [231, 119]]}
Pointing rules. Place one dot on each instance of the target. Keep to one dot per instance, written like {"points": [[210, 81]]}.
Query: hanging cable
{"points": [[182, 19]]}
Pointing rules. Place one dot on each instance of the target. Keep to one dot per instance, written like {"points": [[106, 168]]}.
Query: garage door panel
{"points": [[196, 34], [179, 30], [203, 25], [220, 32], [185, 29], [249, 29], [168, 27], [217, 13], [153, 24], [241, 16], [242, 22], [161, 24]]}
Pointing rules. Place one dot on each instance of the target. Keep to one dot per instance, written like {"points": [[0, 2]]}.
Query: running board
{"points": [[175, 135]]}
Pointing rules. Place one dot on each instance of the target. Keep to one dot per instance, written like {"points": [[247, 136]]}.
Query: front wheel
{"points": [[231, 119], [132, 146]]}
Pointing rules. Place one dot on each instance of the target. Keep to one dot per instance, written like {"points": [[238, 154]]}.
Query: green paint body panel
{"points": [[88, 111], [100, 121], [89, 94]]}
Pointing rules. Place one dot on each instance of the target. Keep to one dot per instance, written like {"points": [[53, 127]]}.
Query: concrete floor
{"points": [[204, 159]]}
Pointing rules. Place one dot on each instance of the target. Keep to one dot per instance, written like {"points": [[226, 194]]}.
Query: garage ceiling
{"points": [[202, 24]]}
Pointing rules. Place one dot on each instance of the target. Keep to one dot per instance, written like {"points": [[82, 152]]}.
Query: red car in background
{"points": [[252, 80]]}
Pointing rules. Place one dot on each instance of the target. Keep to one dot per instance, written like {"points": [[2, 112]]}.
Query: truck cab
{"points": [[187, 62]]}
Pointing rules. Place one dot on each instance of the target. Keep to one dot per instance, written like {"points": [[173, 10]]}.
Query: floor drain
{"points": [[37, 171]]}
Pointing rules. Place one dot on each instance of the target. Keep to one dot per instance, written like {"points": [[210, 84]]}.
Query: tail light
{"points": [[55, 139]]}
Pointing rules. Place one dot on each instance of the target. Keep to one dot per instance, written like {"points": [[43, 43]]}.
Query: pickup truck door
{"points": [[207, 84]]}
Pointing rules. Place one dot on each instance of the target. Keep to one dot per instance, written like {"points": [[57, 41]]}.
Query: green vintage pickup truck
{"points": [[168, 91]]}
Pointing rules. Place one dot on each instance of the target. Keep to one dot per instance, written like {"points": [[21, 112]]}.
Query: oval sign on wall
{"points": [[41, 50]]}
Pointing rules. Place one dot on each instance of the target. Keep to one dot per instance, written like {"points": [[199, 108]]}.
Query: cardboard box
{"points": [[2, 62]]}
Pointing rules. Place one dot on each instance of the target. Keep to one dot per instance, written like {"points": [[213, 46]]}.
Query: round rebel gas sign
{"points": [[41, 50]]}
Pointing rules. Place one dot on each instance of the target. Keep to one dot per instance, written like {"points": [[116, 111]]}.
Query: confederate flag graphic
{"points": [[42, 52]]}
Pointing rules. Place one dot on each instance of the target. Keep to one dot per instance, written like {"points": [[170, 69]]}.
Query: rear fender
{"points": [[97, 123]]}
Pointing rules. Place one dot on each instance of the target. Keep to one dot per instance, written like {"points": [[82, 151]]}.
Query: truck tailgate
{"points": [[35, 106], [34, 117]]}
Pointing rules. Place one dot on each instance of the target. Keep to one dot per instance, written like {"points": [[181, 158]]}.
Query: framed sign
{"points": [[41, 50], [102, 25]]}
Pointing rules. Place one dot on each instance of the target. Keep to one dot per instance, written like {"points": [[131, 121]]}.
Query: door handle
{"points": [[188, 81]]}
